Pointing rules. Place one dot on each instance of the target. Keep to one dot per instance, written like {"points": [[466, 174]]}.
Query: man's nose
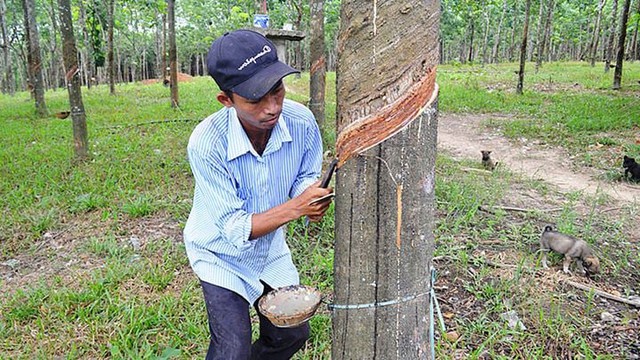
{"points": [[271, 104]]}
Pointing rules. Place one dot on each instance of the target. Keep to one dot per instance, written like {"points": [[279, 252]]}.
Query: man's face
{"points": [[257, 115]]}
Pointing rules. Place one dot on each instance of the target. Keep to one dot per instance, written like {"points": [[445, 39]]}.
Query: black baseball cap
{"points": [[246, 63]]}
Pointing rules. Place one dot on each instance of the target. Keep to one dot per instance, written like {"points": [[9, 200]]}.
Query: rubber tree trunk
{"points": [[611, 38], [8, 83], [523, 47], [34, 58], [514, 29], [317, 76], [72, 76], [542, 45], [110, 48], [596, 33], [634, 40], [88, 48], [496, 39], [617, 74], [385, 196], [485, 42], [173, 54]]}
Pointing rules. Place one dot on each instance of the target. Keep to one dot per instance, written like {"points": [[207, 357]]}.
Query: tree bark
{"points": [[317, 76], [547, 28], [634, 41], [523, 47], [485, 43], [56, 56], [70, 56], [496, 39], [547, 34], [297, 4], [159, 46], [34, 58], [471, 36], [110, 63], [88, 49], [8, 85], [173, 56], [164, 47], [539, 32], [385, 195], [611, 39], [617, 75], [596, 33], [512, 42]]}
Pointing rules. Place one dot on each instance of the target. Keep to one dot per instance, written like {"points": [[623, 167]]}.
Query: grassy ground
{"points": [[93, 264], [568, 104]]}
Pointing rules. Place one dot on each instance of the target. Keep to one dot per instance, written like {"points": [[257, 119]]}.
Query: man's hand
{"points": [[302, 205], [309, 204]]}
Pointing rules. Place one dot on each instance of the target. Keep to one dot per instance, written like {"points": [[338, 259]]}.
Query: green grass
{"points": [[101, 270]]}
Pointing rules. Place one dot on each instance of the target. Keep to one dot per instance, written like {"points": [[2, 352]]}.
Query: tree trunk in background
{"points": [[596, 34], [546, 30], [512, 43], [485, 43], [496, 39], [35, 62], [317, 76], [110, 63], [298, 26], [471, 35], [535, 46], [523, 47], [612, 33], [8, 85], [70, 56], [159, 45], [547, 33], [462, 52], [88, 49], [173, 55], [56, 58], [164, 47], [634, 41], [384, 211], [617, 75]]}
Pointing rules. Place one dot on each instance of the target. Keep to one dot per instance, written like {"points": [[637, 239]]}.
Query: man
{"points": [[255, 163]]}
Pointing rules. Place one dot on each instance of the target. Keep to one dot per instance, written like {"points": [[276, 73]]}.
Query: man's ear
{"points": [[224, 99]]}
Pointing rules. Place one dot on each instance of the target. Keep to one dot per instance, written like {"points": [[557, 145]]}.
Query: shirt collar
{"points": [[239, 143]]}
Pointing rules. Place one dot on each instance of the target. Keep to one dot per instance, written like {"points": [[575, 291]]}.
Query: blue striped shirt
{"points": [[232, 182]]}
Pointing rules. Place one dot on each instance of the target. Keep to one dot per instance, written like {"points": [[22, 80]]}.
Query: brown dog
{"points": [[487, 162], [571, 247]]}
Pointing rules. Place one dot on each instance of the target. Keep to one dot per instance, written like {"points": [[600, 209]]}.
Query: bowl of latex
{"points": [[290, 306]]}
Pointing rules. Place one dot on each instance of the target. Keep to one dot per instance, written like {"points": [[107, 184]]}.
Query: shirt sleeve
{"points": [[312, 161], [221, 202]]}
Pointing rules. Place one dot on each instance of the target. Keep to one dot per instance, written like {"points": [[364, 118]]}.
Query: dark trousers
{"points": [[230, 327]]}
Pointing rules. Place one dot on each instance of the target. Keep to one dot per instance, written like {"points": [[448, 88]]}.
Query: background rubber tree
{"points": [[72, 71], [34, 57], [317, 72]]}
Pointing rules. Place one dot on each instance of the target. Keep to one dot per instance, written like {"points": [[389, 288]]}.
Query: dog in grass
{"points": [[631, 167], [571, 248], [487, 162]]}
